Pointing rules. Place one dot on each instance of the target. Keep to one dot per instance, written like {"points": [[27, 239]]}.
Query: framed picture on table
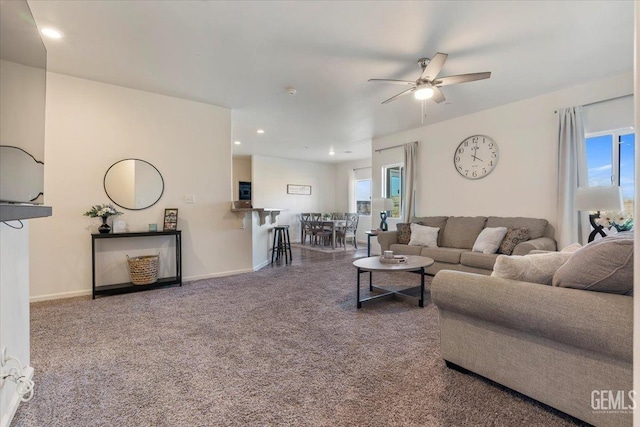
{"points": [[170, 219]]}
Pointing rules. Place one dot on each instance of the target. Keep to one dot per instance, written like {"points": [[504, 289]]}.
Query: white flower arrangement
{"points": [[102, 211], [621, 221]]}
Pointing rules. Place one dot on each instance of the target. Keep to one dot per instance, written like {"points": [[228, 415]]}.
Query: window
{"points": [[611, 161], [363, 196], [393, 187]]}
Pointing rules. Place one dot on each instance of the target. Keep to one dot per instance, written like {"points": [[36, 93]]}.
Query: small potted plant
{"points": [[104, 212]]}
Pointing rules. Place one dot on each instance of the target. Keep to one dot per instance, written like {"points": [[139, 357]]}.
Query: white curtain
{"points": [[572, 173], [408, 198]]}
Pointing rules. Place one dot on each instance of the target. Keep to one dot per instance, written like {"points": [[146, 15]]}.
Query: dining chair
{"points": [[318, 231], [338, 216], [305, 227], [349, 230]]}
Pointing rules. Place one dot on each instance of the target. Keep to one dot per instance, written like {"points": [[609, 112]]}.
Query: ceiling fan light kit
{"points": [[428, 84], [424, 91]]}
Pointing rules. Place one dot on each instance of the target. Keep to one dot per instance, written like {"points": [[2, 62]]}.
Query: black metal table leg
{"points": [[421, 302], [359, 305]]}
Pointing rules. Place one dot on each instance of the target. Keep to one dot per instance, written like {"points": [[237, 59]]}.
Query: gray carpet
{"points": [[284, 346]]}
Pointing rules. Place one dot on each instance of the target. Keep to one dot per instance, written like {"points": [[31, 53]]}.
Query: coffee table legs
{"points": [[386, 291], [421, 302]]}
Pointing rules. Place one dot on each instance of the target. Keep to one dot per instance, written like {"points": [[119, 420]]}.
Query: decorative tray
{"points": [[397, 259]]}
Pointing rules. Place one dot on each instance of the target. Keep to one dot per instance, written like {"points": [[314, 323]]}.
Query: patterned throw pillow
{"points": [[514, 237], [404, 233]]}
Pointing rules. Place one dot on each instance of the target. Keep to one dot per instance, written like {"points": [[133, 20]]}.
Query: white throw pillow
{"points": [[537, 268], [489, 240], [422, 235]]}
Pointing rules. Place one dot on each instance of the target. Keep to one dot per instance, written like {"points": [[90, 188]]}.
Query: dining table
{"points": [[334, 224]]}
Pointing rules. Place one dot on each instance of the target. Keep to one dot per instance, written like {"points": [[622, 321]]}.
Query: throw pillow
{"points": [[538, 268], [604, 265], [422, 235], [404, 233], [513, 238], [489, 239]]}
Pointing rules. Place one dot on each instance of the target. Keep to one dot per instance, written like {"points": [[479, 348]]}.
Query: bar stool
{"points": [[281, 244]]}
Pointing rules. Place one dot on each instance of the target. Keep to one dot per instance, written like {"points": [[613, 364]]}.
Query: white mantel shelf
{"points": [[263, 212]]}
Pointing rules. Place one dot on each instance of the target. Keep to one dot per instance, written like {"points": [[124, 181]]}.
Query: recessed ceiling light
{"points": [[237, 142], [260, 130], [51, 33], [331, 153]]}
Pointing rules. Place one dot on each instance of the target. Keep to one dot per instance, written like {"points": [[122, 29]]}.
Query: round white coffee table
{"points": [[371, 264]]}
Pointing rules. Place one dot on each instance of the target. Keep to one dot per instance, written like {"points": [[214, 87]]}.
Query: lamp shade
{"points": [[383, 204], [606, 198]]}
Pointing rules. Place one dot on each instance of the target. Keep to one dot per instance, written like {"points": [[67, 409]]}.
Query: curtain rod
{"points": [[394, 146], [604, 100]]}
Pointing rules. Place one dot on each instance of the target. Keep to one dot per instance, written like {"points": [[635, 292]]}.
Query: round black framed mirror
{"points": [[133, 184]]}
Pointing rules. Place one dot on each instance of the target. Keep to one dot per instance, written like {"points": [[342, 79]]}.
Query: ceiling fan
{"points": [[428, 84]]}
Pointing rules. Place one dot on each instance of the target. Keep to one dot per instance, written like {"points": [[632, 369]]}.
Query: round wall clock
{"points": [[476, 157]]}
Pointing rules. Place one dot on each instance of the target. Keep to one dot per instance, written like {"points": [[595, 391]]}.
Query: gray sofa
{"points": [[457, 236], [564, 347]]}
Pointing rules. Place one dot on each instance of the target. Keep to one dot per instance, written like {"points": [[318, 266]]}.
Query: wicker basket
{"points": [[143, 270]]}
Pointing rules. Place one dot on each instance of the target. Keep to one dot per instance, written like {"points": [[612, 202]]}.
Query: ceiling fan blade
{"points": [[435, 65], [406, 92], [392, 81], [462, 78], [438, 96]]}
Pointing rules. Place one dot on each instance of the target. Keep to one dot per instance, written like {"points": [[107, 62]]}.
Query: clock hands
{"points": [[476, 158]]}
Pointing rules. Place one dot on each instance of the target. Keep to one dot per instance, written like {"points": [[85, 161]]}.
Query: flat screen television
{"points": [[244, 190], [23, 68]]}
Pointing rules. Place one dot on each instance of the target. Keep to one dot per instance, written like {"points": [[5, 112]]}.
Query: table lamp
{"points": [[385, 205], [605, 198]]}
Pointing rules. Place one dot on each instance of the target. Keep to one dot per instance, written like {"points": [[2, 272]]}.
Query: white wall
{"points": [[14, 307], [524, 182], [270, 177], [90, 126]]}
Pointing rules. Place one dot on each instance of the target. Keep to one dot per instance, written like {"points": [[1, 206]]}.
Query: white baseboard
{"points": [[48, 297], [15, 400], [214, 275], [261, 265], [61, 295]]}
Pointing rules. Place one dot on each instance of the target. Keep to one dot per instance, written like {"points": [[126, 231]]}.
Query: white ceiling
{"points": [[243, 55]]}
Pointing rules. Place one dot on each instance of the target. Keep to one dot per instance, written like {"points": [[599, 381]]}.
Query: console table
{"points": [[121, 288]]}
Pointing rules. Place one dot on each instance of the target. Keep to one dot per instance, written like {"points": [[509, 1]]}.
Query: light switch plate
{"points": [[189, 199]]}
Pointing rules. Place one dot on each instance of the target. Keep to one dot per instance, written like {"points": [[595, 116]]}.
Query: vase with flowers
{"points": [[615, 222], [103, 212]]}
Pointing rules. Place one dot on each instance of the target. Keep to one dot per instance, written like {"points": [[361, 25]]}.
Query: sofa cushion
{"points": [[489, 240], [478, 259], [399, 249], [605, 265], [513, 238], [536, 226], [462, 231], [422, 235], [432, 221], [537, 268], [404, 232], [449, 255]]}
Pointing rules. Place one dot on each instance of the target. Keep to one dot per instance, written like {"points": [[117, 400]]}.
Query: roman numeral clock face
{"points": [[476, 157]]}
